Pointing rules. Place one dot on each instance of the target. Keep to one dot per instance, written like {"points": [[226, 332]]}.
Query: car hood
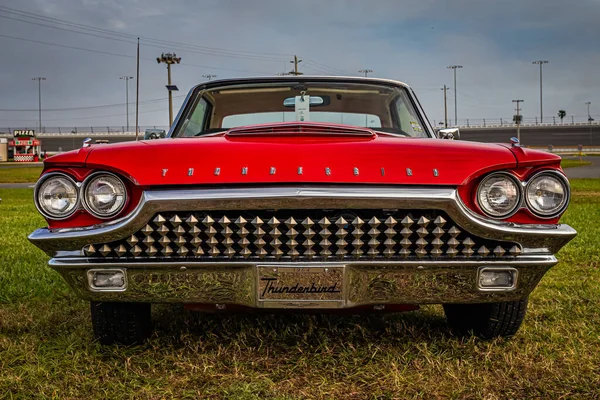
{"points": [[222, 159]]}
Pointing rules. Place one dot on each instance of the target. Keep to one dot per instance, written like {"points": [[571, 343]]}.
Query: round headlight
{"points": [[104, 195], [499, 195], [57, 196], [547, 194]]}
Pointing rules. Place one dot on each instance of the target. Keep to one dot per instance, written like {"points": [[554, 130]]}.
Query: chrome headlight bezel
{"points": [[85, 186], [565, 203], [36, 193], [518, 185]]}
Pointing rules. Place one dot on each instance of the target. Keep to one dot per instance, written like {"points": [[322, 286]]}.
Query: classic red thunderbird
{"points": [[303, 193]]}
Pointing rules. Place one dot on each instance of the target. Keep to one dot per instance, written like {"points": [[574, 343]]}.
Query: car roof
{"points": [[300, 78]]}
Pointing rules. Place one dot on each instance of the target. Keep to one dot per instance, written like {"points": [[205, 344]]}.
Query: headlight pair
{"points": [[546, 194], [58, 196]]}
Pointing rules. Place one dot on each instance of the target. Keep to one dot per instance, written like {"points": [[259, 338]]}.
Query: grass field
{"points": [[46, 347], [19, 175], [572, 163]]}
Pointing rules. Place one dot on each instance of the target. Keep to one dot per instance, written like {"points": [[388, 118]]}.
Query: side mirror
{"points": [[449, 133]]}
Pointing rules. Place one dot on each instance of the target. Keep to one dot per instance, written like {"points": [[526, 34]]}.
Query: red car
{"points": [[303, 193]]}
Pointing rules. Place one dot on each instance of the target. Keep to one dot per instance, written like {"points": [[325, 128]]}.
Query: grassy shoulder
{"points": [[11, 174], [46, 347], [571, 163]]}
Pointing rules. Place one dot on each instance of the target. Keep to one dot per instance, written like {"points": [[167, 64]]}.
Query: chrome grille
{"points": [[303, 235]]}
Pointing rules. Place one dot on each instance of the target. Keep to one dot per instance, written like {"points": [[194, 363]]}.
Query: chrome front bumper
{"points": [[364, 283], [416, 281]]}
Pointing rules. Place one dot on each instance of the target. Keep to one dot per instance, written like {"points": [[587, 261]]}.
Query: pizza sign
{"points": [[24, 132]]}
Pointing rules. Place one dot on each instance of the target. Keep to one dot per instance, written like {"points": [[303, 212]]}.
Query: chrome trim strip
{"points": [[548, 237], [85, 263]]}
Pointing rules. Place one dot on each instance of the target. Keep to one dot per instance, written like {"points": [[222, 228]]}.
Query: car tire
{"points": [[121, 323], [486, 320]]}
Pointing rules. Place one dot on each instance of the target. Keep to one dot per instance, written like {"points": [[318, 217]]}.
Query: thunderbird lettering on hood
{"points": [[379, 159]]}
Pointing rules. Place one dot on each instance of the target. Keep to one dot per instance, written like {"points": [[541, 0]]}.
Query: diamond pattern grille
{"points": [[303, 235]]}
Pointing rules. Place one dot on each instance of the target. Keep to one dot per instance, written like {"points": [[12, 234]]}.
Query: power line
{"points": [[199, 48], [146, 102], [187, 48], [87, 117], [338, 71], [124, 55]]}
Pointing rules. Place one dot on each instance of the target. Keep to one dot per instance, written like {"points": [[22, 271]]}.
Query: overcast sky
{"points": [[411, 41]]}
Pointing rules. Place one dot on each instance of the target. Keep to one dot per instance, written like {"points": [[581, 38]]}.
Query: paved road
{"points": [[589, 171]]}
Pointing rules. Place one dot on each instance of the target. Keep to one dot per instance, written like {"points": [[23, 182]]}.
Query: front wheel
{"points": [[121, 323], [486, 320]]}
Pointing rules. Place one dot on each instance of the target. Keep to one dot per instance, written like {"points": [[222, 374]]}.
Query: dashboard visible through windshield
{"points": [[380, 107]]}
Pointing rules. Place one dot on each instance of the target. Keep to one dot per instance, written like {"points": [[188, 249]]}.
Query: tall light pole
{"points": [[455, 67], [517, 118], [589, 116], [40, 79], [169, 58], [209, 76], [365, 71], [445, 89], [127, 78], [541, 62]]}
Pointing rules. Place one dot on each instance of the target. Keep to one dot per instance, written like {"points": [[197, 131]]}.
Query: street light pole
{"points": [[169, 58], [445, 107], [455, 67], [589, 116], [365, 71], [127, 78], [518, 119], [541, 62], [40, 79]]}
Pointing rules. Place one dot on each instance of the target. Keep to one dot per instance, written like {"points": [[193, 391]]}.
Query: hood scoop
{"points": [[300, 129]]}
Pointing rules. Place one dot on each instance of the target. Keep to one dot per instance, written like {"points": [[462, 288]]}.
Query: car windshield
{"points": [[377, 106]]}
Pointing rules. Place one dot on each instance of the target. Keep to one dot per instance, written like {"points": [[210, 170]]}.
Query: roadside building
{"points": [[25, 146]]}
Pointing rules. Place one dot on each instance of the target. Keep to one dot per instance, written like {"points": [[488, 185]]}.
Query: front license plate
{"points": [[298, 284]]}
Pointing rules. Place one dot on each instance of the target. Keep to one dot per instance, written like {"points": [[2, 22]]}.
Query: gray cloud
{"points": [[412, 41]]}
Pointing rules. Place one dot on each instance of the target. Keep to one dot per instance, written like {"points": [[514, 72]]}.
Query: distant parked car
{"points": [[303, 193]]}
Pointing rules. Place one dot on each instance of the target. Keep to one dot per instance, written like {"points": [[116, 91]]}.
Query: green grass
{"points": [[47, 351], [19, 175], [571, 163]]}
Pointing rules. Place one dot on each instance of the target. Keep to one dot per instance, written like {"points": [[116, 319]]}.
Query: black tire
{"points": [[486, 320], [121, 323]]}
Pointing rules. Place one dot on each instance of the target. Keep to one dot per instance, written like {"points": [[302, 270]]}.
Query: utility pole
{"points": [[541, 62], [295, 70], [455, 67], [590, 119], [445, 107], [127, 78], [518, 119], [169, 58], [365, 71], [209, 76], [40, 79]]}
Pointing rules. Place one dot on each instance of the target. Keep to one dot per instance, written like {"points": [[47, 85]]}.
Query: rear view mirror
{"points": [[449, 133], [314, 101]]}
